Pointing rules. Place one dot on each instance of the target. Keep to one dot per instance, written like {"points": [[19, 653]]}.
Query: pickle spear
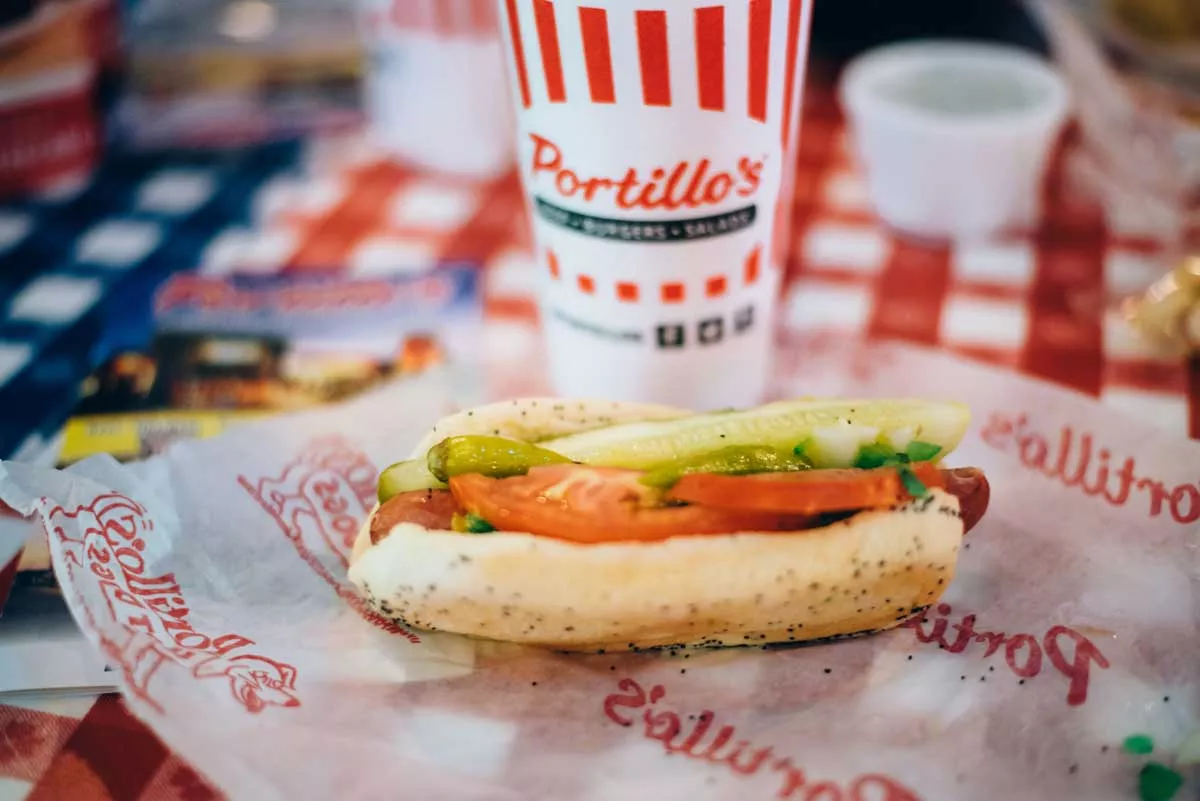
{"points": [[406, 476], [497, 457], [833, 431], [733, 461]]}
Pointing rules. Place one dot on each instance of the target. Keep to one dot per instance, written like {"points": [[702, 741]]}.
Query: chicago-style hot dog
{"points": [[600, 526]]}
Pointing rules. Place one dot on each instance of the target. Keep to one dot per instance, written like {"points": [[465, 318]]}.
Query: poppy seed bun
{"points": [[863, 574]]}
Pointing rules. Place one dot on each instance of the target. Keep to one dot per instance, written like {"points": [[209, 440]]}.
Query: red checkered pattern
{"points": [[366, 216], [1037, 302], [1042, 301]]}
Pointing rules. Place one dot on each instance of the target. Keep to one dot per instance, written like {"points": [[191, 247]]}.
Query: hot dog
{"points": [[599, 526]]}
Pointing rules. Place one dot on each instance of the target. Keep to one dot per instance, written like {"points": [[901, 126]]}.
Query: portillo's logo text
{"points": [[319, 500], [1077, 459], [1068, 652], [685, 185], [705, 740], [149, 623]]}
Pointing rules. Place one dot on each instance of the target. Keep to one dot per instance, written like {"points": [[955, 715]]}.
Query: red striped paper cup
{"points": [[435, 91], [652, 143]]}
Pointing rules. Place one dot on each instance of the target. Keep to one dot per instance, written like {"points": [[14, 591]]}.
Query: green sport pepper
{"points": [[735, 460], [497, 457]]}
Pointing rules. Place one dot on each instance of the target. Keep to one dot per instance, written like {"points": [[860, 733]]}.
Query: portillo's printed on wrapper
{"points": [[213, 579], [652, 140]]}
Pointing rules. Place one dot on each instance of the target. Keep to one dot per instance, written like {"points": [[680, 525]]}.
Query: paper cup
{"points": [[434, 91], [955, 137], [652, 142]]}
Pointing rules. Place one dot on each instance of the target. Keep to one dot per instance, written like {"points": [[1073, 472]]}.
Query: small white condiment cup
{"points": [[954, 136]]}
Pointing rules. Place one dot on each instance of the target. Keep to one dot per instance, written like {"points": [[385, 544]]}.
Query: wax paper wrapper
{"points": [[213, 578]]}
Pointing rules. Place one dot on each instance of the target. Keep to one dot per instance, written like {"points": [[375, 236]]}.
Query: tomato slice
{"points": [[429, 508], [594, 504], [810, 492]]}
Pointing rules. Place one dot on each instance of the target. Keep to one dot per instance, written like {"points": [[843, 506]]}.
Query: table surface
{"points": [[1038, 303]]}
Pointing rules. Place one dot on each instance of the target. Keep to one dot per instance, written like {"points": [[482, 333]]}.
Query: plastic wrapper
{"points": [[213, 579]]}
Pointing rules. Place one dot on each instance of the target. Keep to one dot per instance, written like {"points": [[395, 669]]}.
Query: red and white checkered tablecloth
{"points": [[1037, 303], [1041, 303]]}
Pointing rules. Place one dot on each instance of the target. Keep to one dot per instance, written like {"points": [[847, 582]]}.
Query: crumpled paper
{"points": [[213, 578]]}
